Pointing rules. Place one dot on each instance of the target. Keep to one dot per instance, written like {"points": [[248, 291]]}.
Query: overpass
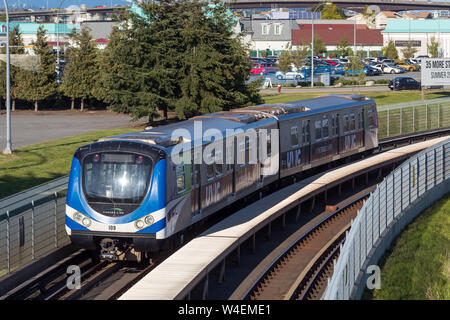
{"points": [[390, 5]]}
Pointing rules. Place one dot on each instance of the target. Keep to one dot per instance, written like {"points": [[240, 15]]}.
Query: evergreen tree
{"points": [[180, 56], [16, 47], [81, 69], [41, 84], [409, 51], [390, 50], [433, 47]]}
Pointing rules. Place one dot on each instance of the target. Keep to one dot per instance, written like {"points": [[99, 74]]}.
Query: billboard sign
{"points": [[435, 72]]}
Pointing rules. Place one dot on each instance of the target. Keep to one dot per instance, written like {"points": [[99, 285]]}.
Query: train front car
{"points": [[116, 198]]}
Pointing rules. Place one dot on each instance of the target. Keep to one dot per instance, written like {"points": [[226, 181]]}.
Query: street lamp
{"points": [[8, 149], [312, 41]]}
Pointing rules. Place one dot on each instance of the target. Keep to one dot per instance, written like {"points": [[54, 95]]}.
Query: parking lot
{"points": [[415, 75]]}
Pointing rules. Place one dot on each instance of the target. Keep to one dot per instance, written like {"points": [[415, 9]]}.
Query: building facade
{"points": [[420, 32]]}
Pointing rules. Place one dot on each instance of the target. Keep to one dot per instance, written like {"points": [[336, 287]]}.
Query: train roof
{"points": [[242, 118]]}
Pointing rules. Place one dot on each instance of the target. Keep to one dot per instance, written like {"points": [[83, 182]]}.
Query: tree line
{"points": [[180, 56]]}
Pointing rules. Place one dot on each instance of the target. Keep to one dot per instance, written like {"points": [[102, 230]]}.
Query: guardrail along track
{"points": [[299, 269]]}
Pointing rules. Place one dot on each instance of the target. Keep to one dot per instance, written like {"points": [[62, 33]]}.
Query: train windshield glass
{"points": [[116, 177]]}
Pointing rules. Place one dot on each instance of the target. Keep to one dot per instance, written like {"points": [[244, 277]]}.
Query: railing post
{"points": [[401, 122], [401, 188], [32, 231], [426, 171], [426, 116], [413, 119], [8, 242], [418, 176], [387, 126], [56, 219], [439, 116]]}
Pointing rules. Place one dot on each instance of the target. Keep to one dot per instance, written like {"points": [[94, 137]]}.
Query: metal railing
{"points": [[399, 192], [407, 117], [32, 224]]}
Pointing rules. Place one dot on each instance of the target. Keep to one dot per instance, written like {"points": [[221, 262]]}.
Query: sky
{"points": [[36, 4]]}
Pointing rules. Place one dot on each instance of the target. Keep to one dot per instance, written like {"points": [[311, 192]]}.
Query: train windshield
{"points": [[116, 177]]}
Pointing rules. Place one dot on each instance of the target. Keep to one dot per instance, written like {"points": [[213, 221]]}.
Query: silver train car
{"points": [[130, 193]]}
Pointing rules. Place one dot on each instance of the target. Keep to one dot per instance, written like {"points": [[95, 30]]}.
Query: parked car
{"points": [[401, 83], [290, 75], [258, 69], [371, 71], [269, 67], [332, 62], [385, 68], [407, 66]]}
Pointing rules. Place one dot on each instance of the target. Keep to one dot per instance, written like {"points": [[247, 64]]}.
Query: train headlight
{"points": [[139, 224], [77, 216], [148, 220], [86, 222]]}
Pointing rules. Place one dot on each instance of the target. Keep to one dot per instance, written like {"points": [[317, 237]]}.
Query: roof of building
{"points": [[389, 14], [421, 26], [332, 34]]}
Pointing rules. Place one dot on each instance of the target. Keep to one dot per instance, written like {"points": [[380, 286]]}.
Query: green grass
{"points": [[417, 266], [38, 163], [381, 97]]}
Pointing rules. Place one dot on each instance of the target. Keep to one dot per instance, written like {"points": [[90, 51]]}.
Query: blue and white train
{"points": [[127, 195]]}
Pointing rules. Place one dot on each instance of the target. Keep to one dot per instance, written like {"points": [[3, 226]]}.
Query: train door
{"points": [[306, 141]]}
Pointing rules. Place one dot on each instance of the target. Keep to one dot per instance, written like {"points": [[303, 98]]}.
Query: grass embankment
{"points": [[380, 97], [417, 266], [38, 163]]}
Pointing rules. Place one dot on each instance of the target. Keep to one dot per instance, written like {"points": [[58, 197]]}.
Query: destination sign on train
{"points": [[435, 71]]}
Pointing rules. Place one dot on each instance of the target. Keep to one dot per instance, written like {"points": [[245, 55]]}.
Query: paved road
{"points": [[29, 127]]}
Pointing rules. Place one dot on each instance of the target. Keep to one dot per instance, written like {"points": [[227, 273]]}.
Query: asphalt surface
{"points": [[30, 127]]}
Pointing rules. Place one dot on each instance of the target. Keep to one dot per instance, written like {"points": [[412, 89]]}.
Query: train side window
{"points": [[241, 153], [352, 122], [247, 150], [371, 118], [180, 178], [318, 129], [306, 134], [336, 125], [346, 123], [294, 136], [361, 120], [269, 144], [325, 129], [219, 166]]}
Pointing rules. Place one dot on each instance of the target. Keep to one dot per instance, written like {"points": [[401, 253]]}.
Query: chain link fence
{"points": [[402, 190]]}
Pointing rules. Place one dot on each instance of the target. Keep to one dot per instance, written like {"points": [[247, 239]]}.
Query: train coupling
{"points": [[108, 249]]}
